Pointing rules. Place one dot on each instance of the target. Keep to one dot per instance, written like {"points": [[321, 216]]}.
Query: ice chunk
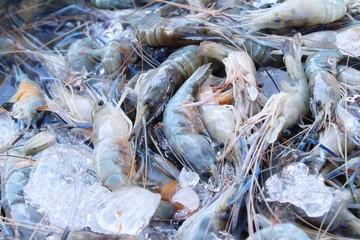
{"points": [[188, 198], [297, 186], [188, 178], [128, 210], [64, 187], [8, 130]]}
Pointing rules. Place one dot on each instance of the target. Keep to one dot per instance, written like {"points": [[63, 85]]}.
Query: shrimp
{"points": [[240, 73], [349, 79], [184, 129], [324, 88], [115, 54], [176, 31], [113, 156], [71, 107], [217, 114], [295, 13], [348, 117], [27, 100], [81, 56], [117, 4], [155, 87], [14, 177], [280, 231]]}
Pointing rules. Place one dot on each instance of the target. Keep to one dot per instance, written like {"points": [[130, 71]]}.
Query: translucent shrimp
{"points": [[71, 107], [14, 177], [295, 13], [347, 114], [349, 80], [117, 4], [113, 156], [115, 54], [184, 129], [155, 87], [324, 88], [176, 31], [217, 113], [27, 100]]}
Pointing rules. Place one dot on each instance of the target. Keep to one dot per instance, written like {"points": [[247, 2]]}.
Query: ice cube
{"points": [[8, 130], [128, 210], [297, 186], [188, 198], [65, 188], [188, 178]]}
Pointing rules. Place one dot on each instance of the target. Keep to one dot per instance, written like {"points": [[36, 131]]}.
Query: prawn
{"points": [[71, 107], [117, 4], [14, 177], [113, 156], [176, 31], [184, 129], [294, 13], [155, 87], [27, 100], [324, 88]]}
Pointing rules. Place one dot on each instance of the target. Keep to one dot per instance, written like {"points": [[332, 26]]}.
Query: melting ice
{"points": [[297, 186]]}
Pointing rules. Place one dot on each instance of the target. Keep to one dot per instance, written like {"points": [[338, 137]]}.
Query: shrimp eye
{"points": [[318, 103], [277, 19], [221, 145], [206, 174], [100, 102], [287, 133], [293, 32], [201, 24], [77, 87], [260, 85], [148, 101], [38, 110]]}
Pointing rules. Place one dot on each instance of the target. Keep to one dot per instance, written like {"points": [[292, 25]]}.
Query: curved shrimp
{"points": [[217, 114], [184, 129], [324, 88], [14, 177], [155, 87], [113, 156], [295, 13], [27, 100]]}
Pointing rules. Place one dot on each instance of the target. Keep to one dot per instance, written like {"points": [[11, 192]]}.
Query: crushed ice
{"points": [[297, 186]]}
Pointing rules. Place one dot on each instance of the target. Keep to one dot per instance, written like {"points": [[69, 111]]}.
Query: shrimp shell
{"points": [[295, 13]]}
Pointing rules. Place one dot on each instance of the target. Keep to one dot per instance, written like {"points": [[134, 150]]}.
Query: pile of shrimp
{"points": [[188, 110]]}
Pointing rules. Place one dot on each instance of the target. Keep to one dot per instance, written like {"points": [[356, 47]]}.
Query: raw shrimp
{"points": [[71, 107], [81, 55], [217, 114], [280, 231], [117, 4], [14, 177], [177, 31], [184, 129], [324, 88], [155, 87], [347, 114], [349, 80], [113, 156], [27, 100], [115, 54], [295, 13]]}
